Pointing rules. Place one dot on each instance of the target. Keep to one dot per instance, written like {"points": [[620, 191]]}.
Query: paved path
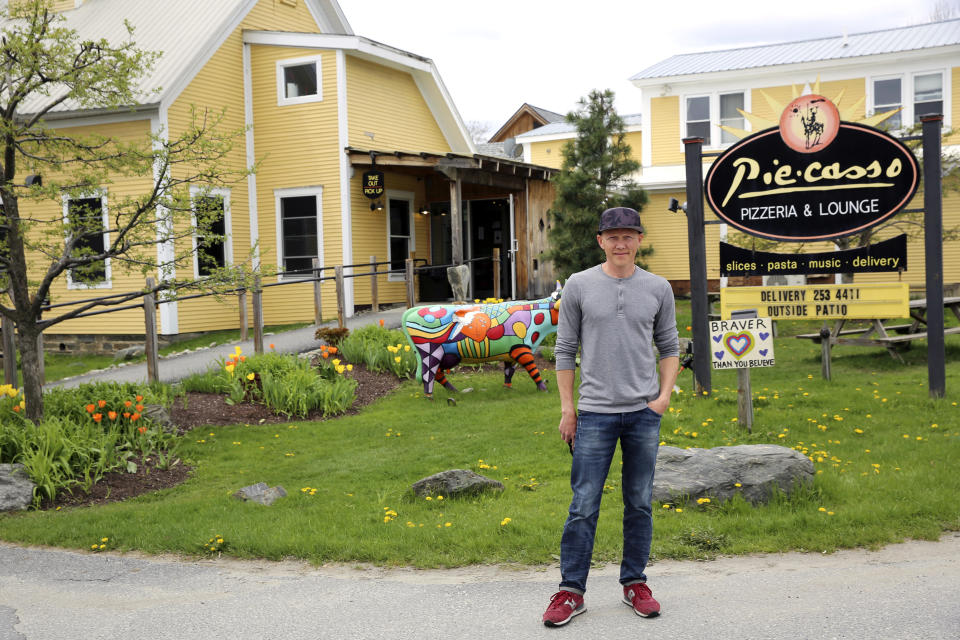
{"points": [[904, 591], [174, 368]]}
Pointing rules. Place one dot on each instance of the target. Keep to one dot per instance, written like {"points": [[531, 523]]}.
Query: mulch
{"points": [[206, 409]]}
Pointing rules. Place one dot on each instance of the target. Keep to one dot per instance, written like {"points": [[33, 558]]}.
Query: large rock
{"points": [[129, 353], [459, 278], [714, 473], [160, 416], [454, 483], [16, 488], [261, 493]]}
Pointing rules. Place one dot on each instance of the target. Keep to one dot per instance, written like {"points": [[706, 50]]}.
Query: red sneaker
{"points": [[639, 597], [563, 606]]}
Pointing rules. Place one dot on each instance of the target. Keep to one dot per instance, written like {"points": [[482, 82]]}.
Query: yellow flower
{"points": [[341, 368], [250, 376], [822, 509], [104, 539], [703, 500], [406, 347], [439, 497], [448, 524], [504, 522], [349, 367], [737, 484], [229, 368], [678, 510], [335, 361], [397, 359], [428, 498]]}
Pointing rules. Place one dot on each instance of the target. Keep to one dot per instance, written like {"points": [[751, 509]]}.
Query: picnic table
{"points": [[893, 337]]}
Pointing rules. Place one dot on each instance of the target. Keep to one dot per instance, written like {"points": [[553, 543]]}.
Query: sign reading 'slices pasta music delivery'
{"points": [[813, 177]]}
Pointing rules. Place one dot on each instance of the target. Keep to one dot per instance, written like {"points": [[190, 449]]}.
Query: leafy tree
{"points": [[595, 175], [46, 65]]}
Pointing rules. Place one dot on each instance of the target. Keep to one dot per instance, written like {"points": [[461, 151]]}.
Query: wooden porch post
{"points": [[456, 221]]}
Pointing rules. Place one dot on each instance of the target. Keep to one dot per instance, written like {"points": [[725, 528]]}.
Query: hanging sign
{"points": [[820, 301], [741, 344], [813, 177], [889, 255], [373, 185]]}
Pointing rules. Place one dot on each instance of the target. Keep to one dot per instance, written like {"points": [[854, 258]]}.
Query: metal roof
{"points": [[900, 39], [546, 114], [566, 128], [184, 30]]}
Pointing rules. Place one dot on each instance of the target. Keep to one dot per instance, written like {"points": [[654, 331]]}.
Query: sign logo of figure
{"points": [[739, 344], [809, 123]]}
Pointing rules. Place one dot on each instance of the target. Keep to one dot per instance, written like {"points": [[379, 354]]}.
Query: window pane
{"points": [[211, 239], [924, 108], [298, 264], [300, 227], [886, 93], [298, 206], [85, 217], [700, 130], [398, 253], [698, 108], [300, 80], [729, 103], [928, 88], [399, 218]]}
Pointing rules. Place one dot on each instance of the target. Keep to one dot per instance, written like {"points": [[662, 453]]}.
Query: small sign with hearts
{"points": [[742, 344]]}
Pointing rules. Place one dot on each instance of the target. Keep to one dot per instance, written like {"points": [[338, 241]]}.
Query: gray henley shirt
{"points": [[616, 321]]}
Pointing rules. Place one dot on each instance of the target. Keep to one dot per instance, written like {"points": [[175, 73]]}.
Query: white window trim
{"points": [[108, 273], [715, 130], [282, 99], [907, 97], [412, 242], [278, 195], [227, 226]]}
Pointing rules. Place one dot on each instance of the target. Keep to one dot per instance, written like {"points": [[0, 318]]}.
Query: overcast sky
{"points": [[494, 55]]}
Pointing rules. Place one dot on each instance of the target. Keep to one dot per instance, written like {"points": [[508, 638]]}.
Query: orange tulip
{"points": [[139, 398], [126, 414], [90, 408], [112, 415], [243, 358], [16, 408], [333, 349], [135, 417], [139, 407], [127, 403], [381, 322], [101, 403], [142, 429], [97, 417], [325, 354], [271, 345]]}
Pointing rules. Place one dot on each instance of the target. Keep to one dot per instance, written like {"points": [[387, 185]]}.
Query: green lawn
{"points": [[886, 457]]}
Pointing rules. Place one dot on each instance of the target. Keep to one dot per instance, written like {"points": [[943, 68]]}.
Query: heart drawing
{"points": [[764, 335], [763, 352], [719, 354], [739, 344], [717, 338]]}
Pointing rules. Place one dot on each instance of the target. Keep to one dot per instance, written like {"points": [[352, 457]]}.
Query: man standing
{"points": [[614, 312]]}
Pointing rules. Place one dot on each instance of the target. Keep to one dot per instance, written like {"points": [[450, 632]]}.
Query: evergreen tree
{"points": [[594, 176]]}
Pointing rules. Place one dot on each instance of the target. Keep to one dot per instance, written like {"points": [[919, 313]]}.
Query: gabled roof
{"points": [[539, 115], [631, 121], [897, 40], [186, 31]]}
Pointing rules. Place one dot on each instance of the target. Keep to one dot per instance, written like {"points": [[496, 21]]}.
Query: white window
{"points": [[927, 94], [918, 94], [86, 222], [400, 235], [212, 246], [299, 80], [299, 231], [887, 95], [702, 116], [698, 118]]}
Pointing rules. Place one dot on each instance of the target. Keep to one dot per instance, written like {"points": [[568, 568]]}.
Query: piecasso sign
{"points": [[888, 255], [826, 302], [741, 344], [813, 177]]}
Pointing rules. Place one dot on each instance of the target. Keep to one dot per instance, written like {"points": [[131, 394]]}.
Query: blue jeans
{"points": [[594, 445]]}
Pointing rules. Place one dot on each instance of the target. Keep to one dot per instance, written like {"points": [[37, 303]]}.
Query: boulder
{"points": [[129, 353], [159, 415], [261, 493], [16, 488], [459, 278], [714, 473], [453, 483]]}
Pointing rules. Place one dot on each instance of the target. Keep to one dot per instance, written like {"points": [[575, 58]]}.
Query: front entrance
{"points": [[486, 225]]}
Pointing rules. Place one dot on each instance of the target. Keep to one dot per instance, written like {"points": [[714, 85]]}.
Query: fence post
{"points": [[496, 272], [825, 352], [317, 298], [338, 275], [374, 303], [744, 400], [257, 315], [150, 331], [408, 279], [9, 354], [243, 315]]}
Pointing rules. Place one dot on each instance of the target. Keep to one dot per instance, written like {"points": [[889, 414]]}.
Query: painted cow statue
{"points": [[446, 335]]}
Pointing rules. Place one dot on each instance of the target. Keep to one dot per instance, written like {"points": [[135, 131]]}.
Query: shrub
{"points": [[379, 348], [332, 335]]}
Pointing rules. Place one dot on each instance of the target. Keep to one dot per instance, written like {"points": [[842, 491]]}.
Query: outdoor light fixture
{"points": [[675, 205], [376, 205], [424, 210]]}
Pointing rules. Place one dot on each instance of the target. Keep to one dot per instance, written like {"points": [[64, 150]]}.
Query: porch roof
{"points": [[446, 163]]}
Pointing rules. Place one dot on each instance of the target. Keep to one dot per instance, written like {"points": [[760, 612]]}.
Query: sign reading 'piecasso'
{"points": [[812, 178]]}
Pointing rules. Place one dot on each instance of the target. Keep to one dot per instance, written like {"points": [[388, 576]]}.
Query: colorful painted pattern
{"points": [[446, 335]]}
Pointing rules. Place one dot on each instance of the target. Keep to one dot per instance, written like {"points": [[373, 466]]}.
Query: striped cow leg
{"points": [[430, 355], [442, 379], [524, 356]]}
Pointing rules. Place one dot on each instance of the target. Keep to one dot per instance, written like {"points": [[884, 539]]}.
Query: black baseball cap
{"points": [[620, 218]]}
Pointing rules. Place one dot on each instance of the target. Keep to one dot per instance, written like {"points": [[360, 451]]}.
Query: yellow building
{"points": [[320, 105], [914, 68]]}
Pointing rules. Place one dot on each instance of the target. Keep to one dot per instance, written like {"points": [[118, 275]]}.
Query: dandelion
{"points": [[678, 510], [448, 524], [428, 498], [439, 497], [104, 539], [703, 500], [737, 484], [505, 522], [822, 510]]}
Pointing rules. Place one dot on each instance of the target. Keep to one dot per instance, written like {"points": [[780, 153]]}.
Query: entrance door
{"points": [[490, 229]]}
